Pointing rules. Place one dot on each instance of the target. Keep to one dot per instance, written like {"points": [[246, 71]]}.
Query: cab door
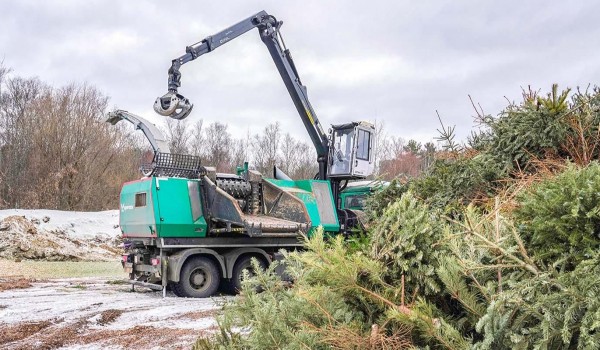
{"points": [[363, 164]]}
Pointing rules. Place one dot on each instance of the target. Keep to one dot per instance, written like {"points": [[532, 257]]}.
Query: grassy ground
{"points": [[60, 269]]}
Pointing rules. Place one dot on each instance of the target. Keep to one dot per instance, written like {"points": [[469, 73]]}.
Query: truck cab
{"points": [[356, 193]]}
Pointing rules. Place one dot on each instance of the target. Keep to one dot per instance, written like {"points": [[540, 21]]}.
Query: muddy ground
{"points": [[95, 313], [59, 289]]}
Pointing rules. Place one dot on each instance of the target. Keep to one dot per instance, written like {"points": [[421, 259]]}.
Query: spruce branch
{"points": [[531, 268]]}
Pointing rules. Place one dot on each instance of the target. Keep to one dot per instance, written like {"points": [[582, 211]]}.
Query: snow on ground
{"points": [[59, 235], [76, 224], [89, 313], [85, 313]]}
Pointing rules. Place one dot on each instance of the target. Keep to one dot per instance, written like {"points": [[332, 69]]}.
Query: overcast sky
{"points": [[391, 61]]}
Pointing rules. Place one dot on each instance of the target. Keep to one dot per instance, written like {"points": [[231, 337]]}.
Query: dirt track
{"points": [[92, 313]]}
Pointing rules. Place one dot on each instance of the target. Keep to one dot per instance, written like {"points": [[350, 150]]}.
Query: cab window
{"points": [[140, 199], [362, 151], [357, 201]]}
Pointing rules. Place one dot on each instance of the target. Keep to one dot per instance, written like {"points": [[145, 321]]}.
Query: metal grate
{"points": [[173, 165]]}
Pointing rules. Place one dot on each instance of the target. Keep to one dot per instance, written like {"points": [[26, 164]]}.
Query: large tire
{"points": [[175, 289], [199, 278], [243, 263]]}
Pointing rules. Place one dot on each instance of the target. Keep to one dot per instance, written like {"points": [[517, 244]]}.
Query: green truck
{"points": [[194, 230], [356, 193], [197, 233]]}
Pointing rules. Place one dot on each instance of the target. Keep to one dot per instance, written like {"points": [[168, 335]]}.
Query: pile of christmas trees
{"points": [[496, 247]]}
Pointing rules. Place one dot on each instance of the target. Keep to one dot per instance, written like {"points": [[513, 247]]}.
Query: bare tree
{"points": [[197, 141], [407, 164], [266, 148], [72, 151], [4, 71], [307, 166], [56, 151], [16, 126], [298, 159], [397, 145], [238, 153], [289, 154], [381, 148], [218, 144], [179, 136]]}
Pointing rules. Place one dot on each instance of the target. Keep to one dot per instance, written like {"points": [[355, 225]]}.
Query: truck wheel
{"points": [[237, 275], [199, 278], [175, 289]]}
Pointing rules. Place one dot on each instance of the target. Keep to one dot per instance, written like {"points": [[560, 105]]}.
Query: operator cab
{"points": [[351, 152]]}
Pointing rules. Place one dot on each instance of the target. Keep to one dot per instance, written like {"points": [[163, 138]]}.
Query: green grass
{"points": [[61, 269], [79, 286], [116, 282]]}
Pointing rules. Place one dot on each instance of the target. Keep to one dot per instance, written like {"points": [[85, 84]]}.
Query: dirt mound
{"points": [[109, 316], [49, 335], [7, 283], [22, 238], [138, 337], [12, 333]]}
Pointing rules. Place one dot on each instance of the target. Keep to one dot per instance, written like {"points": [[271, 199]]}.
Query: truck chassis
{"points": [[198, 267]]}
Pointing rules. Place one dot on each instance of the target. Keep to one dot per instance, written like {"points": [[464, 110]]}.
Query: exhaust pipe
{"points": [[279, 174]]}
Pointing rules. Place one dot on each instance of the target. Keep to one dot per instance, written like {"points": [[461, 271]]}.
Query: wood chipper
{"points": [[191, 228]]}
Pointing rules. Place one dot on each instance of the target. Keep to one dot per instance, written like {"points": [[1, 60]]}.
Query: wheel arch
{"points": [[176, 261], [232, 256]]}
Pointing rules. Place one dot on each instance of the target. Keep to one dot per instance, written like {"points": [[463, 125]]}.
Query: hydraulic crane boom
{"points": [[176, 106], [192, 228]]}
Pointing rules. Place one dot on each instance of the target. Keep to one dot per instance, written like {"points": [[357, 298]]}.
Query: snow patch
{"points": [[72, 299], [75, 224], [59, 235]]}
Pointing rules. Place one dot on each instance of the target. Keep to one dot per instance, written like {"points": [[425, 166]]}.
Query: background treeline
{"points": [[57, 152], [217, 147], [495, 246]]}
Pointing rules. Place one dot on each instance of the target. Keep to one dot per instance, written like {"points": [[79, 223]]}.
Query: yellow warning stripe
{"points": [[310, 117]]}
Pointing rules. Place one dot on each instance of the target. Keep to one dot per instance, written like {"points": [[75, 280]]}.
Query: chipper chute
{"points": [[156, 138], [163, 163]]}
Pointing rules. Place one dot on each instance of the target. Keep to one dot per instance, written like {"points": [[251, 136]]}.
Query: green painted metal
{"points": [[175, 209], [355, 197], [137, 221], [167, 211], [303, 190], [242, 169]]}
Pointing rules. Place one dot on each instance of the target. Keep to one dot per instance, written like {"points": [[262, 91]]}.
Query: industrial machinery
{"points": [[356, 193], [194, 229]]}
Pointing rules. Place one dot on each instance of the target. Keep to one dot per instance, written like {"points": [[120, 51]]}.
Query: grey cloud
{"points": [[396, 61]]}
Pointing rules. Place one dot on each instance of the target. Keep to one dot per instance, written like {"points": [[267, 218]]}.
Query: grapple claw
{"points": [[173, 105]]}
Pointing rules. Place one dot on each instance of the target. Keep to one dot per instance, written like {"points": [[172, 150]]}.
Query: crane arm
{"points": [[210, 43], [287, 69], [176, 106]]}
